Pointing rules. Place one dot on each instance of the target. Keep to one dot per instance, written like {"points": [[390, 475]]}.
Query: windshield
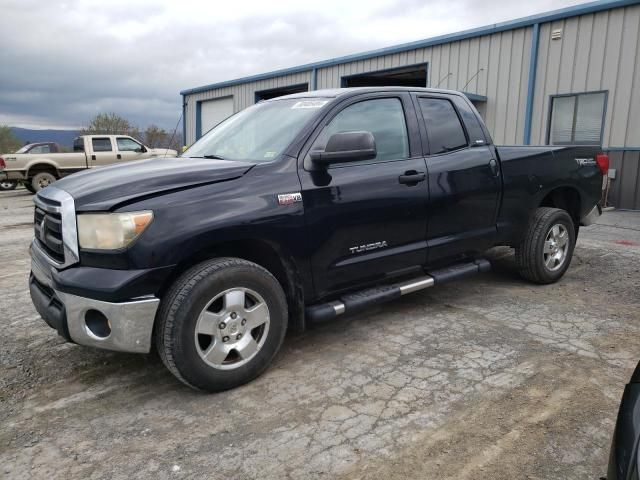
{"points": [[260, 133], [25, 148]]}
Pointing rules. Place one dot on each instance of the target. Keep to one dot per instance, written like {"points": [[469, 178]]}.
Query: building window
{"points": [[577, 119]]}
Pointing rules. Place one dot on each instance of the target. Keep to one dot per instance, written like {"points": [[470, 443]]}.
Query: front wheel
{"points": [[547, 248], [221, 324]]}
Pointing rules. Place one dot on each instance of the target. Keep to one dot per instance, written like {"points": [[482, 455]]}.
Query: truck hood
{"points": [[103, 188]]}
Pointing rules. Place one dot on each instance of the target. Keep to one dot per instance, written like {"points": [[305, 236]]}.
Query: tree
{"points": [[156, 137], [110, 124], [9, 143]]}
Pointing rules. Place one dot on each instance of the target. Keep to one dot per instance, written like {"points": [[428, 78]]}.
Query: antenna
{"points": [[474, 76], [444, 78], [174, 134]]}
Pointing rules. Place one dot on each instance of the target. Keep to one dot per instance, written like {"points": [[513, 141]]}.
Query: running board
{"points": [[355, 302]]}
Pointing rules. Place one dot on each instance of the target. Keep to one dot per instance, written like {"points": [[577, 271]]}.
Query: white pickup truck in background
{"points": [[39, 170]]}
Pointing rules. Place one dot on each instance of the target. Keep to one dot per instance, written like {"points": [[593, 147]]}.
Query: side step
{"points": [[355, 302]]}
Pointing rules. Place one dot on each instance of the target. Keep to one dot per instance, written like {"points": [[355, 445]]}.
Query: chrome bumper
{"points": [[125, 326], [131, 323], [592, 216]]}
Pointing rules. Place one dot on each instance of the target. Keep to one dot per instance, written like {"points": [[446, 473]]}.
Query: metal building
{"points": [[561, 77]]}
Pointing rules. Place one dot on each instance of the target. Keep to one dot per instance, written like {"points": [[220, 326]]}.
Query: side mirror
{"points": [[142, 149], [346, 147]]}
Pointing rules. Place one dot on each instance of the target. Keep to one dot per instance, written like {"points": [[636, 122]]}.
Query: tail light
{"points": [[2, 164], [602, 159]]}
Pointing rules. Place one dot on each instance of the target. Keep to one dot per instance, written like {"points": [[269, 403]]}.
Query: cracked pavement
{"points": [[490, 377]]}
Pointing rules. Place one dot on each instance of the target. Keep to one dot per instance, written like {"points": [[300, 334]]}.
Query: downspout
{"points": [[531, 85], [184, 121], [314, 79]]}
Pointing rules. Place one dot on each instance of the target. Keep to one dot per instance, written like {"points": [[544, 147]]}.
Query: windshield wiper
{"points": [[214, 157]]}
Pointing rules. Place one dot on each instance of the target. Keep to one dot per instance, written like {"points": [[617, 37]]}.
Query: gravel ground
{"points": [[490, 377]]}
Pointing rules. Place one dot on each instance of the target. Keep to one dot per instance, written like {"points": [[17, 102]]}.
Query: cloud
{"points": [[63, 62]]}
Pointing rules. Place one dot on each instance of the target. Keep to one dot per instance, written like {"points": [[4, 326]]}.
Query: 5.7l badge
{"points": [[289, 198]]}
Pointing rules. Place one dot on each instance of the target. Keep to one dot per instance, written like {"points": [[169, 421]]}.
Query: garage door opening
{"points": [[278, 92], [413, 76]]}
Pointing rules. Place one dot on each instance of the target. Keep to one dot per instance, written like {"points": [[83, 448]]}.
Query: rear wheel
{"points": [[221, 324], [42, 180], [546, 251], [28, 186]]}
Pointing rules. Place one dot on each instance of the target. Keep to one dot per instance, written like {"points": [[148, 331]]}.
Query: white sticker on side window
{"points": [[309, 104]]}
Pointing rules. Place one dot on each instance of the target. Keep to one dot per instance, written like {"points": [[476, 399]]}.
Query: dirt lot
{"points": [[488, 378]]}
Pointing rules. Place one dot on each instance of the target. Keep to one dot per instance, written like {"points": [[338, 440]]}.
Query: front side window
{"points": [[259, 133], [444, 129], [101, 144], [78, 145], [577, 119], [127, 144], [383, 117]]}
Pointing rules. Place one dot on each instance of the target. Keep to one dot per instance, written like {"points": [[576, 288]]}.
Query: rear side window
{"points": [[444, 129], [78, 145], [383, 117], [41, 149], [101, 144]]}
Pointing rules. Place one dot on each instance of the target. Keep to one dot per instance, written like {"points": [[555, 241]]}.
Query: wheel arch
{"points": [[42, 166], [265, 253], [564, 197]]}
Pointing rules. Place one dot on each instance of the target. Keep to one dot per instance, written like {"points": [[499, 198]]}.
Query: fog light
{"points": [[97, 323]]}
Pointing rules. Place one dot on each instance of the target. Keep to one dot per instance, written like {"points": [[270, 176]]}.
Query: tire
{"points": [[28, 186], [8, 185], [210, 309], [545, 252], [42, 180]]}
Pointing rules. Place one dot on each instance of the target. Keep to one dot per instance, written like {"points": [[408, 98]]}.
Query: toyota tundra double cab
{"points": [[299, 209]]}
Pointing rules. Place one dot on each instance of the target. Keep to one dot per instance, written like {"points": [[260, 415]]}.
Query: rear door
{"points": [[366, 220], [463, 176], [102, 152]]}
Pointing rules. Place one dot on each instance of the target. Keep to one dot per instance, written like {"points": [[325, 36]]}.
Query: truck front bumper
{"points": [[123, 326]]}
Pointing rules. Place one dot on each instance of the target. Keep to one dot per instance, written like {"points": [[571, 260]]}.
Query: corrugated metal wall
{"points": [[503, 58], [625, 191], [597, 52]]}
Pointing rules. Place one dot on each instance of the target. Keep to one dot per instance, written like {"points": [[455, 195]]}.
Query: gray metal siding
{"points": [[624, 191], [597, 52], [504, 58]]}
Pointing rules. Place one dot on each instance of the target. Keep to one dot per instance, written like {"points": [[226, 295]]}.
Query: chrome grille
{"points": [[48, 233], [56, 234]]}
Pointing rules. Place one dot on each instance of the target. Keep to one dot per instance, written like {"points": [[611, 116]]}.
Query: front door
{"points": [[366, 220], [129, 149]]}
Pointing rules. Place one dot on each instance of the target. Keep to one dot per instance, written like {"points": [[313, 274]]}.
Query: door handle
{"points": [[93, 157], [119, 157], [411, 177], [494, 167]]}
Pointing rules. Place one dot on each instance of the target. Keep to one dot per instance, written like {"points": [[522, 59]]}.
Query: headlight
{"points": [[111, 231]]}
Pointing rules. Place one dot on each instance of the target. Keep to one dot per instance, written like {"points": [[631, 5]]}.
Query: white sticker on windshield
{"points": [[309, 104]]}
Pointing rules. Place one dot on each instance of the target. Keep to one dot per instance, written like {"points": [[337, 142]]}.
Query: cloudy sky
{"points": [[63, 61]]}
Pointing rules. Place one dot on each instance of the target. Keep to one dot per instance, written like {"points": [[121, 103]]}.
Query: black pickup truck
{"points": [[297, 210]]}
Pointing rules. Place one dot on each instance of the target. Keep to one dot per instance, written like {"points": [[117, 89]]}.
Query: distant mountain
{"points": [[63, 137]]}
